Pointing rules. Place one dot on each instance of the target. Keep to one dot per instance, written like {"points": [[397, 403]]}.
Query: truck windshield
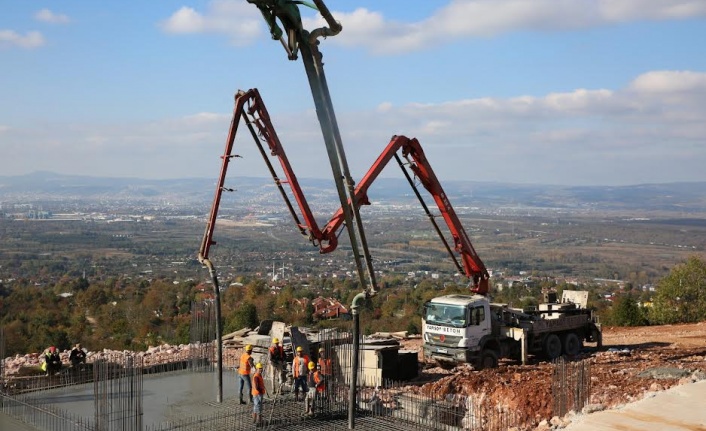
{"points": [[445, 314]]}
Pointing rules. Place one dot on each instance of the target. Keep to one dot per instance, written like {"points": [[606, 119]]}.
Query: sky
{"points": [[561, 92]]}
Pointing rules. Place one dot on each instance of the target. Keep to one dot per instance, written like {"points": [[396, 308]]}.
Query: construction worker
{"points": [[299, 371], [52, 361], [326, 370], [77, 356], [246, 364], [315, 381], [258, 392], [276, 356]]}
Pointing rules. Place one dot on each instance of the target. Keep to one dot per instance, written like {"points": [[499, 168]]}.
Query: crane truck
{"points": [[471, 329]]}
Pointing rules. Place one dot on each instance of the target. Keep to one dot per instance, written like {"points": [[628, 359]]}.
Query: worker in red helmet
{"points": [[52, 361]]}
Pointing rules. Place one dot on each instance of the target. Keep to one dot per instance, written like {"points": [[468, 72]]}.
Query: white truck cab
{"points": [[454, 325]]}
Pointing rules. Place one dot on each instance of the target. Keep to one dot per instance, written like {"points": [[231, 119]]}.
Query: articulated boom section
{"points": [[412, 152], [250, 107]]}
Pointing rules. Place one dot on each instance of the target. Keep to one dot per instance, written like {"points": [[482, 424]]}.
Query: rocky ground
{"points": [[633, 362]]}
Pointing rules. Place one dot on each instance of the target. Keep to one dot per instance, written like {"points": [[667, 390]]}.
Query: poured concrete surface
{"points": [[166, 397], [9, 424], [681, 408]]}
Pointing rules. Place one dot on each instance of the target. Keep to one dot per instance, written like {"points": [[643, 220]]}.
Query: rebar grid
{"points": [[117, 388], [571, 385], [202, 336], [42, 415]]}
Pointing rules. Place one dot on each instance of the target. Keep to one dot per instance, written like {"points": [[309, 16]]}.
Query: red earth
{"points": [[614, 370]]}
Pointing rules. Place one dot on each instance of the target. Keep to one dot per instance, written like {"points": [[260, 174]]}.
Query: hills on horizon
{"points": [[684, 197]]}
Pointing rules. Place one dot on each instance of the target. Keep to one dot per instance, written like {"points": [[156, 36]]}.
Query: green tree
{"points": [[681, 295], [626, 312], [245, 316]]}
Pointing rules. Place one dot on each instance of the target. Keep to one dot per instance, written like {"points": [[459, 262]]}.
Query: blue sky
{"points": [[568, 92]]}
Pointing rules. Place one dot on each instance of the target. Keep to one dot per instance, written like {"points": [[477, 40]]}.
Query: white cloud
{"points": [[32, 39], [237, 19], [458, 19], [669, 82], [651, 130], [482, 18], [45, 15]]}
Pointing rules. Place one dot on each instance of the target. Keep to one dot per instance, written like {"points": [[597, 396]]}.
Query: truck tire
{"points": [[572, 344], [487, 359], [552, 346]]}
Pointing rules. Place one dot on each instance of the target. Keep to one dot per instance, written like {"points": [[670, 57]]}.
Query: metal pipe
{"points": [[219, 340], [357, 301], [334, 26]]}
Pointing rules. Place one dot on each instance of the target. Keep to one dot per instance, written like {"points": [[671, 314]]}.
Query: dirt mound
{"points": [[632, 363]]}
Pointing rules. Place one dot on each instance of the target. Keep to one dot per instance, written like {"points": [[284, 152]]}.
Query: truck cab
{"points": [[455, 326]]}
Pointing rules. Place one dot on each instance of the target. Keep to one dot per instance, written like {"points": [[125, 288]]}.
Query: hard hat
{"points": [[258, 366], [275, 340], [248, 348], [299, 349], [311, 365], [321, 349]]}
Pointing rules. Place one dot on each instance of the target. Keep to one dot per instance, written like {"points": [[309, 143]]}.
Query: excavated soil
{"points": [[632, 363]]}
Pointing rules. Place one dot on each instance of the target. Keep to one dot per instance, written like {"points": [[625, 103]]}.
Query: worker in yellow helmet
{"points": [[258, 392], [246, 365], [315, 382], [299, 371], [276, 356]]}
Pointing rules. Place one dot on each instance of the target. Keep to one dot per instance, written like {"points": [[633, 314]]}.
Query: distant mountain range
{"points": [[670, 197]]}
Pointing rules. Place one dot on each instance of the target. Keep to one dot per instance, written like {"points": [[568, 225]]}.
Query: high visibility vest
{"points": [[258, 385], [296, 363], [319, 381], [325, 365], [245, 364], [276, 353]]}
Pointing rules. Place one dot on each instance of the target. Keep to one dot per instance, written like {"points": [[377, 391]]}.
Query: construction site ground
{"points": [[633, 364]]}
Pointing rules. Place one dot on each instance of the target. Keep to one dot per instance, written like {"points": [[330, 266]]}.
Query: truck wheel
{"points": [[487, 359], [597, 338], [552, 346], [572, 344]]}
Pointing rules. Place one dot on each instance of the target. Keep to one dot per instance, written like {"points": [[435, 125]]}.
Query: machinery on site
{"points": [[469, 328], [409, 156], [301, 41]]}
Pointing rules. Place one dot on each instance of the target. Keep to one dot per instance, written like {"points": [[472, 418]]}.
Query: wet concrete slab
{"points": [[166, 397], [9, 424]]}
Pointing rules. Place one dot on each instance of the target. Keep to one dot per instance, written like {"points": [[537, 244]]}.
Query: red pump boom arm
{"points": [[250, 107], [412, 151]]}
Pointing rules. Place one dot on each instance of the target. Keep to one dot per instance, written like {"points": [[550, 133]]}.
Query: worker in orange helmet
{"points": [[299, 371], [258, 392], [244, 369]]}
